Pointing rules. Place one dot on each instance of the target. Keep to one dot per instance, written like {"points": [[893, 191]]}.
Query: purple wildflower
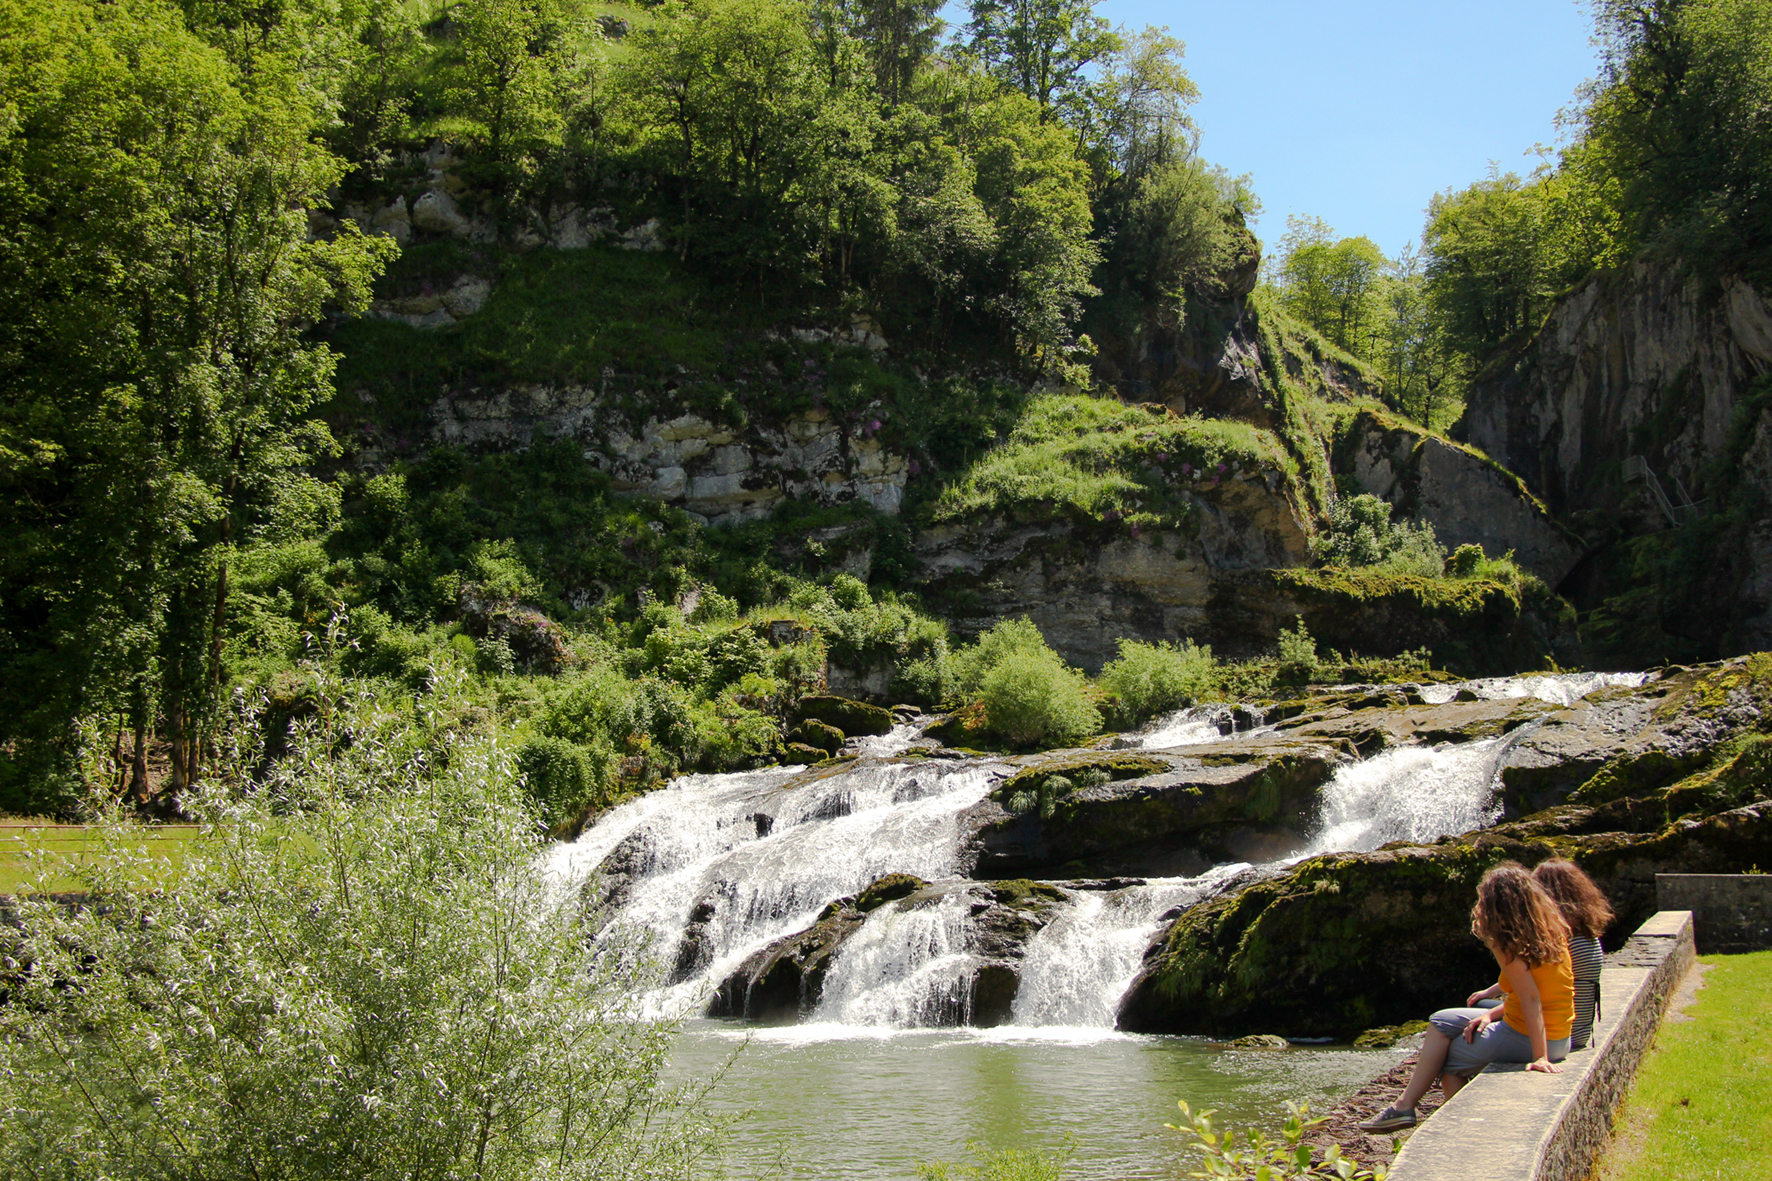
{"points": [[1135, 530], [916, 468], [874, 425], [1221, 469], [1187, 469]]}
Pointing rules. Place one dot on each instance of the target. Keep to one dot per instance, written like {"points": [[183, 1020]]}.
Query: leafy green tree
{"points": [[154, 292], [1042, 48], [1331, 284], [1489, 264]]}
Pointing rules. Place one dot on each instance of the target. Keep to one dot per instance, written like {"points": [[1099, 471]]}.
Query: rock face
{"points": [[1649, 363], [1477, 624], [1165, 815], [1086, 584], [1672, 776], [1654, 365], [1468, 500], [719, 472]]}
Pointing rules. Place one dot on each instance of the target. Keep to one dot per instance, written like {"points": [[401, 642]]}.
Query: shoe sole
{"points": [[1389, 1125]]}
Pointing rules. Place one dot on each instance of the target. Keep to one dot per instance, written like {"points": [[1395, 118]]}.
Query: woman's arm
{"points": [[1532, 1009]]}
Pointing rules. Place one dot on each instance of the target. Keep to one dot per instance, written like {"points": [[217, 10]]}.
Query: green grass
{"points": [[1093, 456], [21, 838], [1702, 1104]]}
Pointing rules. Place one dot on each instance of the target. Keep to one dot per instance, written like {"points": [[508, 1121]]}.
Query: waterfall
{"points": [[1556, 688], [904, 969], [711, 869], [1079, 966], [1410, 793]]}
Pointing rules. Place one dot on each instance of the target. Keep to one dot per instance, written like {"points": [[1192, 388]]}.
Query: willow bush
{"points": [[361, 971]]}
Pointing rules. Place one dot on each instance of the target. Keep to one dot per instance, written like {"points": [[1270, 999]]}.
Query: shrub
{"points": [[1031, 699], [1151, 679], [562, 778], [1298, 656], [361, 971], [1009, 637], [1263, 1156], [1361, 533]]}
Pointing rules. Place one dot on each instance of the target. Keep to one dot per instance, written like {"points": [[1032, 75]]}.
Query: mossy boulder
{"points": [[890, 888], [1476, 626], [785, 980], [853, 718], [1344, 943], [1149, 814], [821, 735], [798, 754]]}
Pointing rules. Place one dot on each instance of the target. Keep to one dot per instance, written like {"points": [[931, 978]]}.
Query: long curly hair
{"points": [[1584, 908], [1517, 919]]}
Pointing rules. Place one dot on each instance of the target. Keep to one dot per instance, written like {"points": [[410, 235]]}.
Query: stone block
{"points": [[1732, 912]]}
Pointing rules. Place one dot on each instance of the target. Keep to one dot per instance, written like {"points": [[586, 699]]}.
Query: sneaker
{"points": [[1389, 1120]]}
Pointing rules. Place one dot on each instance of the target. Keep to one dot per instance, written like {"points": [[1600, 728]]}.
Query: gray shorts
{"points": [[1498, 1042]]}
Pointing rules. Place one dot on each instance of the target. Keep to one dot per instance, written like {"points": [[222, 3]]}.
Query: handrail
{"points": [[1637, 468]]}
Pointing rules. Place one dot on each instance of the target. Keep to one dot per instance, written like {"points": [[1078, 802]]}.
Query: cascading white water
{"points": [[755, 856], [1556, 688], [1078, 966], [766, 854], [1411, 793], [903, 969]]}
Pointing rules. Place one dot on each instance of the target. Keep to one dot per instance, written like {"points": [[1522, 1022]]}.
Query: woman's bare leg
{"points": [[1451, 1084], [1434, 1046]]}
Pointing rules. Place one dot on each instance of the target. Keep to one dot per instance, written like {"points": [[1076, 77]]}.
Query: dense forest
{"points": [[199, 202]]}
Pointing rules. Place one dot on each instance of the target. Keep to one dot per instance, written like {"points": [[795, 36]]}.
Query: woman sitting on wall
{"points": [[1525, 930], [1588, 914]]}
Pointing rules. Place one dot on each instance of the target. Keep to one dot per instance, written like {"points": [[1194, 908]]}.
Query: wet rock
{"points": [[1346, 942], [852, 718], [784, 981], [798, 754], [890, 888], [1233, 801], [1259, 1041], [1386, 1036]]}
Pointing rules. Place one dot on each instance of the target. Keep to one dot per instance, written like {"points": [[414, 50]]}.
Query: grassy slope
{"points": [[1702, 1104]]}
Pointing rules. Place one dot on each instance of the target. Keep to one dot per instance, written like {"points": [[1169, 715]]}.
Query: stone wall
{"points": [[1731, 912]]}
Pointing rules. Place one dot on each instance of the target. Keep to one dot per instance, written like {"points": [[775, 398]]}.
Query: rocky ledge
{"points": [[1674, 775]]}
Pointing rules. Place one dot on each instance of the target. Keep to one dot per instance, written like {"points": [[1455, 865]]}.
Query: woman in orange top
{"points": [[1525, 930]]}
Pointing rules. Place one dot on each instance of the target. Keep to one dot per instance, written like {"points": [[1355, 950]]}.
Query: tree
{"points": [[155, 288], [1040, 47], [1488, 263], [1331, 284]]}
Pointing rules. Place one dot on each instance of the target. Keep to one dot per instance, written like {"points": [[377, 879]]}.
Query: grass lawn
{"points": [[18, 838], [1702, 1104]]}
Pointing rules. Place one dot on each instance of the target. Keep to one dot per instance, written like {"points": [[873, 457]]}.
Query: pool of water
{"points": [[849, 1102]]}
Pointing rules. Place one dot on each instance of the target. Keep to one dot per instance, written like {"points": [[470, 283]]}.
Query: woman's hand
{"points": [[1494, 990], [1544, 1066], [1475, 1025]]}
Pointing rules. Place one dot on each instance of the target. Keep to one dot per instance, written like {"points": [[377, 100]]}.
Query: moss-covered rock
{"points": [[890, 888], [1343, 943], [1476, 626], [1148, 814], [854, 718], [817, 734], [798, 754]]}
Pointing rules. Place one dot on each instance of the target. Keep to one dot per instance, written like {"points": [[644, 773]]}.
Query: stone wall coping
{"points": [[1509, 1123]]}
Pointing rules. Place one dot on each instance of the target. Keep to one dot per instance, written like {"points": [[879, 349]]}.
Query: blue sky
{"points": [[1358, 111]]}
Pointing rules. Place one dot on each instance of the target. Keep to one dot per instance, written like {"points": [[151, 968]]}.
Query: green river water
{"points": [[842, 1102]]}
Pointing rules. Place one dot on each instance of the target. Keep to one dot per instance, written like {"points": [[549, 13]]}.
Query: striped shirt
{"points": [[1587, 959]]}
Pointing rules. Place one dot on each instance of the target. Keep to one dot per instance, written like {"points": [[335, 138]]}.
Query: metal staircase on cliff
{"points": [[1680, 512]]}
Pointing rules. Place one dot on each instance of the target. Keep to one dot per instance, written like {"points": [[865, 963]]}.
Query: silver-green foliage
{"points": [[1032, 699], [361, 972], [1150, 679]]}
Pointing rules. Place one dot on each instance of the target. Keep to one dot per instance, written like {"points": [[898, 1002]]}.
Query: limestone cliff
{"points": [[1637, 410]]}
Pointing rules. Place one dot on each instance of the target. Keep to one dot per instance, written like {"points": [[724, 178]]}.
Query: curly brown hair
{"points": [[1517, 919], [1584, 908]]}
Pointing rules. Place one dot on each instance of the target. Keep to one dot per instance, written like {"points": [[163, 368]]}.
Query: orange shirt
{"points": [[1556, 994]]}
